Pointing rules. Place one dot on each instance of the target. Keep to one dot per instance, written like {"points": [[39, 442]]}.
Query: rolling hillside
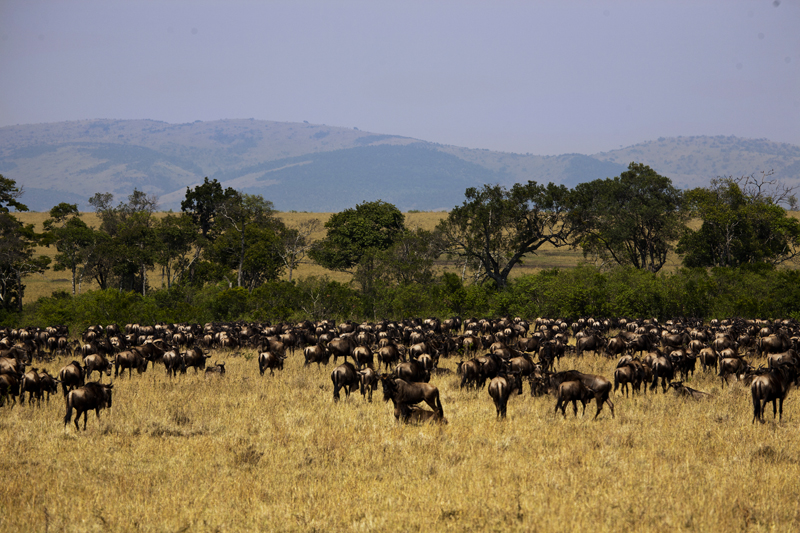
{"points": [[312, 167]]}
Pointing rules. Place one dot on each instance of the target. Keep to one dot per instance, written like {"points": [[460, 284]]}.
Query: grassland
{"points": [[244, 452]]}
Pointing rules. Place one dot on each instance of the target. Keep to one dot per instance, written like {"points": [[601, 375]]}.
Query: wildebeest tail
{"points": [[68, 415]]}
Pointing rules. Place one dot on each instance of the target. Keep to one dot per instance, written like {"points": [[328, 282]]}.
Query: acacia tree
{"points": [[71, 236], [743, 222], [632, 219], [495, 228]]}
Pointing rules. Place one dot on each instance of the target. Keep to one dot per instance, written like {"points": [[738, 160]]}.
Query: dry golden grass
{"points": [[244, 452]]}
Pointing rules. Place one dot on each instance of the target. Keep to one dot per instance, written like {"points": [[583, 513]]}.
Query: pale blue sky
{"points": [[545, 77]]}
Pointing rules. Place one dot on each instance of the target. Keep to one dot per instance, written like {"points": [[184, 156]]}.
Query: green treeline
{"points": [[224, 257], [569, 293]]}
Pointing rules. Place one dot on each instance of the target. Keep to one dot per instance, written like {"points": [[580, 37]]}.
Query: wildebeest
{"points": [[368, 382], [662, 368], [270, 360], [93, 395], [592, 342], [71, 377], [412, 370], [31, 384], [772, 387], [129, 359], [470, 373], [316, 354], [218, 369], [404, 393], [96, 362], [9, 386], [598, 385], [344, 376], [195, 357], [731, 366], [173, 362], [412, 414], [573, 391], [688, 392], [625, 374], [501, 388]]}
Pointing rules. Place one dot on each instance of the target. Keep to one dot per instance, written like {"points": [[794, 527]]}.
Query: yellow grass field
{"points": [[248, 453]]}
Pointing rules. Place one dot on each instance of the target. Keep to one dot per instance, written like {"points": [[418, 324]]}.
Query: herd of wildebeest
{"points": [[403, 358]]}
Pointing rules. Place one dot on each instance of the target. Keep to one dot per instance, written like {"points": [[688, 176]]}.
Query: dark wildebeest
{"points": [[316, 354], [708, 358], [96, 362], [71, 377], [662, 368], [600, 387], [368, 381], [625, 374], [772, 387], [48, 384], [218, 369], [593, 342], [388, 355], [788, 357], [470, 373], [688, 392], [93, 395], [173, 362], [342, 347], [573, 391], [404, 393], [344, 376], [362, 355], [731, 365], [270, 360], [501, 388], [32, 384], [129, 359], [412, 370], [195, 357], [9, 386]]}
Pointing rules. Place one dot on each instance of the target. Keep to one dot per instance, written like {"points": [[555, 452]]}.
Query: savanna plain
{"points": [[242, 452]]}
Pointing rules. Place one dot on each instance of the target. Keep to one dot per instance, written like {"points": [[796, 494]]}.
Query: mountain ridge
{"points": [[315, 167]]}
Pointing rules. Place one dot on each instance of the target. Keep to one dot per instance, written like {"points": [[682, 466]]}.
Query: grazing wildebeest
{"points": [[772, 387], [368, 381], [96, 362], [501, 388], [270, 360], [688, 392], [573, 391], [71, 377], [344, 376], [470, 373], [129, 359], [600, 387], [664, 369], [93, 395], [404, 393]]}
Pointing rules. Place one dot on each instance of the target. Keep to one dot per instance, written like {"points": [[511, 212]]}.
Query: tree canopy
{"points": [[632, 219], [369, 227], [743, 222], [496, 227]]}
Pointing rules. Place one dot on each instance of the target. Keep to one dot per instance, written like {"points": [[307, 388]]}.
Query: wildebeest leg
{"points": [[575, 408]]}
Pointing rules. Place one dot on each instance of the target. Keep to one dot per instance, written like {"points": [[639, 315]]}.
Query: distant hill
{"points": [[312, 167]]}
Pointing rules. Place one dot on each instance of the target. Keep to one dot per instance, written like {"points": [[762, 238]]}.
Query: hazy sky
{"points": [[545, 77]]}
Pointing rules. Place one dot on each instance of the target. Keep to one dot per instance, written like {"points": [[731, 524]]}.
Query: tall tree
{"points": [[176, 235], [72, 238], [249, 238], [743, 222], [495, 228], [632, 219], [18, 243], [296, 243], [352, 233]]}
